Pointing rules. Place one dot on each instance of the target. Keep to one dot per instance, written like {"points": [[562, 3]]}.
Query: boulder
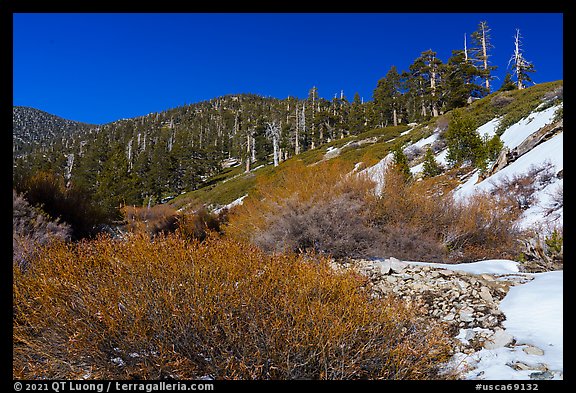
{"points": [[383, 267], [486, 295], [396, 265], [466, 314], [532, 350], [542, 375], [499, 339]]}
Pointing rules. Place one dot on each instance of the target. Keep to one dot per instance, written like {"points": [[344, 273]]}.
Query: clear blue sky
{"points": [[98, 68]]}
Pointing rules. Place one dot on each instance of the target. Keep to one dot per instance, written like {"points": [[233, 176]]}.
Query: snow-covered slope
{"points": [[548, 153], [542, 212]]}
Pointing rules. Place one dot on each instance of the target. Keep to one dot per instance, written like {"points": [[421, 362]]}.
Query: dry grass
{"points": [[168, 307]]}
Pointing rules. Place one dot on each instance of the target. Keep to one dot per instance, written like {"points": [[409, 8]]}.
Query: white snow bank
{"points": [[489, 129], [549, 151], [417, 168], [426, 141], [376, 172], [489, 266], [544, 214], [235, 202], [534, 315]]}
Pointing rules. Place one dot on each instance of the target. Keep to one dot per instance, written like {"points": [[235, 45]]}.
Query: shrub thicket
{"points": [[200, 223], [430, 219], [319, 208], [324, 209], [71, 204], [151, 220], [173, 308], [196, 222], [31, 228], [518, 190]]}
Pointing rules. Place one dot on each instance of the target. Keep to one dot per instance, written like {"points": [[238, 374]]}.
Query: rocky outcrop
{"points": [[507, 156], [460, 299]]}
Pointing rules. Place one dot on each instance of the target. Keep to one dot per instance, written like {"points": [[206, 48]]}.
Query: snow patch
{"points": [[426, 141], [534, 317], [489, 129], [549, 151], [489, 266], [376, 172], [517, 133], [236, 202]]}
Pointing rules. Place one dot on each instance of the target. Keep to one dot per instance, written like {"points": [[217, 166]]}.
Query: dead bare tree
{"points": [[273, 133]]}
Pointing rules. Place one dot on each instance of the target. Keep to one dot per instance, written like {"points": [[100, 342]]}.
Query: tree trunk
{"points": [[273, 132], [433, 89], [297, 136], [275, 145], [465, 50], [248, 148], [518, 60], [253, 149], [485, 55]]}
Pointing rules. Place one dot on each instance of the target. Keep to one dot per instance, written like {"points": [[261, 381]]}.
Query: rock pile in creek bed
{"points": [[466, 302]]}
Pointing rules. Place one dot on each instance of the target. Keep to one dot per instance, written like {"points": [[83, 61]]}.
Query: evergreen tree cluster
{"points": [[466, 146]]}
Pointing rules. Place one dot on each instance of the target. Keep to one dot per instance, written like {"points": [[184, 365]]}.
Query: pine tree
{"points": [[521, 66], [423, 83], [493, 146], [482, 44], [431, 167], [387, 96], [464, 143], [357, 115], [508, 84], [432, 69], [401, 163], [459, 81], [416, 86]]}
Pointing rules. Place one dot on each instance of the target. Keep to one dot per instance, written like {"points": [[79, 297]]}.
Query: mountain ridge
{"points": [[34, 127]]}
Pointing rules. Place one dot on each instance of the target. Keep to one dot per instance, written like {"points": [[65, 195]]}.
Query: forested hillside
{"points": [[152, 158], [32, 128]]}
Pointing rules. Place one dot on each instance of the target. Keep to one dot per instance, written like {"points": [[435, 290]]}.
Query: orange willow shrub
{"points": [[320, 208], [168, 307], [421, 220], [195, 223], [152, 220]]}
